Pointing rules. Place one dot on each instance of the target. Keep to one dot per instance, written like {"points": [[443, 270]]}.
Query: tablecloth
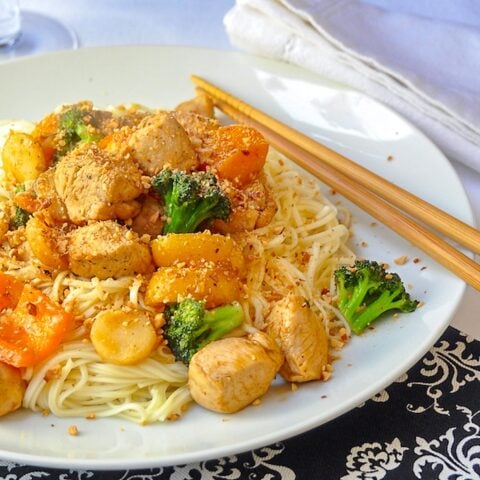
{"points": [[425, 425]]}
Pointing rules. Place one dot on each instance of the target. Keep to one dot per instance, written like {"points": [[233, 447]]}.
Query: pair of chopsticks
{"points": [[382, 199]]}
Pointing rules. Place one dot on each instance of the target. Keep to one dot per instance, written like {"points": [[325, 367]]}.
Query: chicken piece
{"points": [[231, 373], [151, 219], [302, 338], [54, 209], [161, 142], [42, 197], [200, 132], [12, 389], [97, 185], [130, 115], [201, 104], [105, 122], [253, 207], [107, 249]]}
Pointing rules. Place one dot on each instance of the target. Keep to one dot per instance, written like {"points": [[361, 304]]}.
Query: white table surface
{"points": [[198, 23]]}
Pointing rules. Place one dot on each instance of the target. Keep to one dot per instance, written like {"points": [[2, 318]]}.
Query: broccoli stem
{"points": [[186, 221], [384, 302], [221, 320], [354, 302]]}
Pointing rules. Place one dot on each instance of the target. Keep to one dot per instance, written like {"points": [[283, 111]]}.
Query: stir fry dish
{"points": [[151, 259]]}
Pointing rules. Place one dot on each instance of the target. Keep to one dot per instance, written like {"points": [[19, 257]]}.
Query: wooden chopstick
{"points": [[437, 248], [441, 221]]}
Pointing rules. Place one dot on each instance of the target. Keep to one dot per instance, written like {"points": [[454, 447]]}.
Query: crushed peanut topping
{"points": [[401, 260]]}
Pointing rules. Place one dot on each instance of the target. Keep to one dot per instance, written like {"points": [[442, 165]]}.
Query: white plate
{"points": [[345, 120]]}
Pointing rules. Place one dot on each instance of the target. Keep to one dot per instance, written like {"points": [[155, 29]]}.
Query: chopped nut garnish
{"points": [[73, 430], [337, 344], [401, 260], [53, 373]]}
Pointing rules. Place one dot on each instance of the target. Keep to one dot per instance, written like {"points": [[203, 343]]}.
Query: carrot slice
{"points": [[10, 291], [14, 343], [33, 330], [44, 133], [239, 153], [116, 141]]}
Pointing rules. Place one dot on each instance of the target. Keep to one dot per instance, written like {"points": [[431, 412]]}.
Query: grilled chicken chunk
{"points": [[201, 104], [107, 249], [200, 130], [229, 374], [302, 338], [105, 122], [252, 207], [42, 196], [159, 142], [53, 206], [96, 185], [150, 220]]}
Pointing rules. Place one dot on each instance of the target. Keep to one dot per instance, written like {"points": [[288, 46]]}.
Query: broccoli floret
{"points": [[366, 291], [189, 326], [74, 129], [190, 199], [20, 218]]}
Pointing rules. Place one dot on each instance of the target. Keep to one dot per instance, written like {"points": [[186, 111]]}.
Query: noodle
{"points": [[83, 385], [298, 251]]}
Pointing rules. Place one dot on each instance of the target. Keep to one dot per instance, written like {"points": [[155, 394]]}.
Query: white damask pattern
{"points": [[372, 461], [446, 366], [384, 396], [454, 455], [227, 468]]}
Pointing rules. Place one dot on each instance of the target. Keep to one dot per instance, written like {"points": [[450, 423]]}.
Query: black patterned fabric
{"points": [[424, 426]]}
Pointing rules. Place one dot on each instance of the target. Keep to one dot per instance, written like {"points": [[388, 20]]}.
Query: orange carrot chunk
{"points": [[33, 329], [44, 133], [10, 291], [239, 153]]}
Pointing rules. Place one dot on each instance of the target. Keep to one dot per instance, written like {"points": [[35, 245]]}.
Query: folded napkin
{"points": [[421, 61]]}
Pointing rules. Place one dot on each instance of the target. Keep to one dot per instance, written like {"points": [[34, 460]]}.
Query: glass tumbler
{"points": [[10, 27]]}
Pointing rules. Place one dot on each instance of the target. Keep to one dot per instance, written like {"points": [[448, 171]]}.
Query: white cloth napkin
{"points": [[423, 62]]}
